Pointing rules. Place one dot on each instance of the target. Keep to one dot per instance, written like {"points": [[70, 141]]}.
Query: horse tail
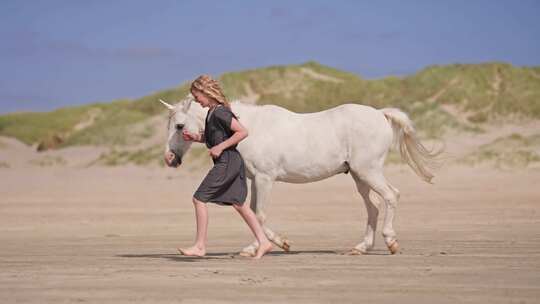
{"points": [[417, 156]]}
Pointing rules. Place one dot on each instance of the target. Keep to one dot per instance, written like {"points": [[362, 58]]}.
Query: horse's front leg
{"points": [[261, 186]]}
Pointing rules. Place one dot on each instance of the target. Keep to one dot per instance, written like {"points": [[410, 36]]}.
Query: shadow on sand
{"points": [[234, 255]]}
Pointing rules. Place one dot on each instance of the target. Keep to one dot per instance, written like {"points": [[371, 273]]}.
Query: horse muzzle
{"points": [[176, 161]]}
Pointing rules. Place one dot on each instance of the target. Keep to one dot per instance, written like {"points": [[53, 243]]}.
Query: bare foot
{"points": [[263, 249], [192, 251]]}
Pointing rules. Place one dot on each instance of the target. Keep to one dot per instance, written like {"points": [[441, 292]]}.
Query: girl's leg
{"points": [[251, 220], [201, 214]]}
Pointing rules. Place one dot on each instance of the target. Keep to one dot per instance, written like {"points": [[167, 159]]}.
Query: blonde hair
{"points": [[211, 88]]}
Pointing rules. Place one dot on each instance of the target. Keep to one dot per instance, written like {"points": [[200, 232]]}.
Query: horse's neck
{"points": [[243, 111], [195, 110]]}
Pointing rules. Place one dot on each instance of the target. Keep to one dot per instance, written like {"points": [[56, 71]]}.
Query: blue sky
{"points": [[58, 53]]}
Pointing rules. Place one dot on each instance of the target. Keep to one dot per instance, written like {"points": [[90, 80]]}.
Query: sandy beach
{"points": [[108, 235]]}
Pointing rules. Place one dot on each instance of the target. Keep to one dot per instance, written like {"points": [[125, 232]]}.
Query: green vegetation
{"points": [[117, 127], [32, 127], [439, 98], [510, 151], [433, 121], [293, 88], [35, 127], [478, 93]]}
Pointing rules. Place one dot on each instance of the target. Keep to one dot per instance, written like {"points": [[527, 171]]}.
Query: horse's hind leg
{"points": [[373, 214], [261, 187], [375, 179]]}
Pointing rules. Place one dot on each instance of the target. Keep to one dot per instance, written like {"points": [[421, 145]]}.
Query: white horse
{"points": [[302, 148]]}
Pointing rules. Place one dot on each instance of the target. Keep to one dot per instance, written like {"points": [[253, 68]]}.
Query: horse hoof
{"points": [[393, 247], [286, 246]]}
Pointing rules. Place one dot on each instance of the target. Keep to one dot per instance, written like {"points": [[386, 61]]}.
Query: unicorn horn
{"points": [[166, 104]]}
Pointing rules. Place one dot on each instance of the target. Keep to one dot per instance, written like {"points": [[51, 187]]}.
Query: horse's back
{"points": [[345, 110], [352, 119], [302, 147]]}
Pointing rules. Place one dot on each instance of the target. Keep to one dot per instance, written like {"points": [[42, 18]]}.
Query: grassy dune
{"points": [[510, 151], [101, 123], [459, 97], [491, 89]]}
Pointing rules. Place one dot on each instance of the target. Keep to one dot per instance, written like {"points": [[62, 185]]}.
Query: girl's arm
{"points": [[240, 132]]}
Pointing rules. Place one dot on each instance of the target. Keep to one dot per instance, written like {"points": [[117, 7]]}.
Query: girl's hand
{"points": [[190, 137], [215, 151]]}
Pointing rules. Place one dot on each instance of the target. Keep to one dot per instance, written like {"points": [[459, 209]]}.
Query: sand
{"points": [[108, 235]]}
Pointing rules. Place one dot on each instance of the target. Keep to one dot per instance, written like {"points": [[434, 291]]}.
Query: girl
{"points": [[225, 183]]}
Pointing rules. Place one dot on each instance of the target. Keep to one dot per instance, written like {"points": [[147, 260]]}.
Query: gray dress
{"points": [[225, 183]]}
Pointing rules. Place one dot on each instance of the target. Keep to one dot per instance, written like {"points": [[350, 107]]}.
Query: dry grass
{"points": [[513, 151], [48, 161]]}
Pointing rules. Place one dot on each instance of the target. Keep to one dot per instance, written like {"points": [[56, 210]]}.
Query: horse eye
{"points": [[179, 126]]}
